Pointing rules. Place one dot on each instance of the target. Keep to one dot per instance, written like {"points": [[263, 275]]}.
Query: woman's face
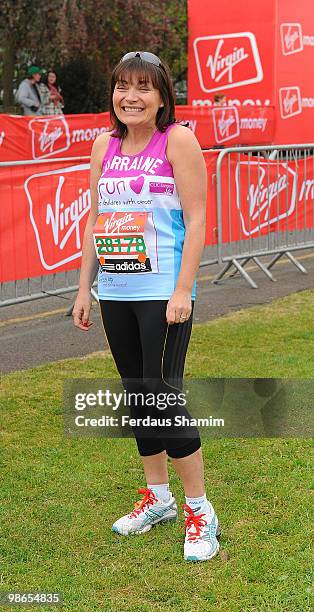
{"points": [[135, 102], [51, 78]]}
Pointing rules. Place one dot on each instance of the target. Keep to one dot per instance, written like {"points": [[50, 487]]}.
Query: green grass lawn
{"points": [[59, 496]]}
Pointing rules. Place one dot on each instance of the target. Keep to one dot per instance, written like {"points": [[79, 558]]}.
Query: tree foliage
{"points": [[89, 32], [84, 86]]}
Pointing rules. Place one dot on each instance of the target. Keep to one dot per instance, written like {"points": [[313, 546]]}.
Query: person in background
{"points": [[54, 102], [220, 100], [28, 94]]}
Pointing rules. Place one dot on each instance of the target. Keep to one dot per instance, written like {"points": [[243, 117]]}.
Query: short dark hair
{"points": [[161, 79], [219, 97]]}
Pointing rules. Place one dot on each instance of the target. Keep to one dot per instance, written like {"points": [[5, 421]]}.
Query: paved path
{"points": [[38, 332]]}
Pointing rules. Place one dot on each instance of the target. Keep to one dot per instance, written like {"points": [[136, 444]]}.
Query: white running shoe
{"points": [[201, 533], [147, 512]]}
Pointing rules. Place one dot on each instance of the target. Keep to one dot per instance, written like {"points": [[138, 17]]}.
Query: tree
{"points": [[138, 24], [29, 30], [72, 32], [59, 32], [84, 86]]}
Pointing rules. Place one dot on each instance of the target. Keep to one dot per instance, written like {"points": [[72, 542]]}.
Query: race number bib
{"points": [[126, 242]]}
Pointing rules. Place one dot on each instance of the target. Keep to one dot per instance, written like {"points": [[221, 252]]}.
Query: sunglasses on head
{"points": [[144, 55]]}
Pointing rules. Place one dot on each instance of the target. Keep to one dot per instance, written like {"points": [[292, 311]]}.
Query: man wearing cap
{"points": [[28, 94]]}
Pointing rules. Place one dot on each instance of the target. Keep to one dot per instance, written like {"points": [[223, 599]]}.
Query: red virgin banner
{"points": [[46, 208], [229, 125], [260, 196], [256, 54], [230, 51], [48, 137], [295, 56], [43, 220]]}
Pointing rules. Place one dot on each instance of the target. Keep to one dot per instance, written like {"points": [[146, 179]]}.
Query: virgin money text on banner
{"points": [[50, 136], [229, 125]]}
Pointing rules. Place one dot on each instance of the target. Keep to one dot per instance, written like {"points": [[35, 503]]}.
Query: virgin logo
{"points": [[48, 139], [260, 196], [226, 123], [221, 65], [290, 101], [50, 136], [124, 223], [59, 200], [265, 194], [64, 219], [227, 60], [291, 38]]}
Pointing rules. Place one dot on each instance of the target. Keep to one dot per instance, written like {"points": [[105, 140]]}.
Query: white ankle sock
{"points": [[197, 504], [161, 490]]}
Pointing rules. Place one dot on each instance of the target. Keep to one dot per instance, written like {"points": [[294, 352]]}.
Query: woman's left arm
{"points": [[190, 175]]}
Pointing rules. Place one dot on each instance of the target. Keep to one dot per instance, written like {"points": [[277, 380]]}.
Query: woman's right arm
{"points": [[89, 264]]}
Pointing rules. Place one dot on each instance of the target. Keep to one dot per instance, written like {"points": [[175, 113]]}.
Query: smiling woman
{"points": [[149, 88], [148, 101], [145, 236]]}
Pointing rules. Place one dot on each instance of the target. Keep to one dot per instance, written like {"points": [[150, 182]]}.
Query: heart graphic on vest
{"points": [[137, 184]]}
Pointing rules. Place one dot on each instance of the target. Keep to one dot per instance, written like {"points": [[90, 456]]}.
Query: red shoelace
{"points": [[148, 500], [193, 520]]}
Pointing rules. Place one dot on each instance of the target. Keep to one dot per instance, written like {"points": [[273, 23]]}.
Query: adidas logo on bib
{"points": [[126, 266]]}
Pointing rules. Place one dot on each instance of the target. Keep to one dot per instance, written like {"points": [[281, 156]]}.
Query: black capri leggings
{"points": [[146, 349]]}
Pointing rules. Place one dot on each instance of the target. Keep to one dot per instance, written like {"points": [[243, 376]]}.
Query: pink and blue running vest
{"points": [[140, 230]]}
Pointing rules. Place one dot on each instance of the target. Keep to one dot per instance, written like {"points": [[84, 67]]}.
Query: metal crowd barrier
{"points": [[250, 192], [229, 253], [27, 289], [58, 283]]}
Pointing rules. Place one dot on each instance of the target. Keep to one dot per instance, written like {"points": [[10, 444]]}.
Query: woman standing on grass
{"points": [[148, 196]]}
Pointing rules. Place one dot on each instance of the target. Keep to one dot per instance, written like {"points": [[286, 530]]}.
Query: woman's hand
{"points": [[179, 307], [81, 310]]}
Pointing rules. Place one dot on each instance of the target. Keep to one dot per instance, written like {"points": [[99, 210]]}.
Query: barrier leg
{"points": [[239, 268], [291, 258], [264, 269], [274, 260], [245, 275], [70, 310], [243, 263], [222, 273], [95, 295], [296, 263]]}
